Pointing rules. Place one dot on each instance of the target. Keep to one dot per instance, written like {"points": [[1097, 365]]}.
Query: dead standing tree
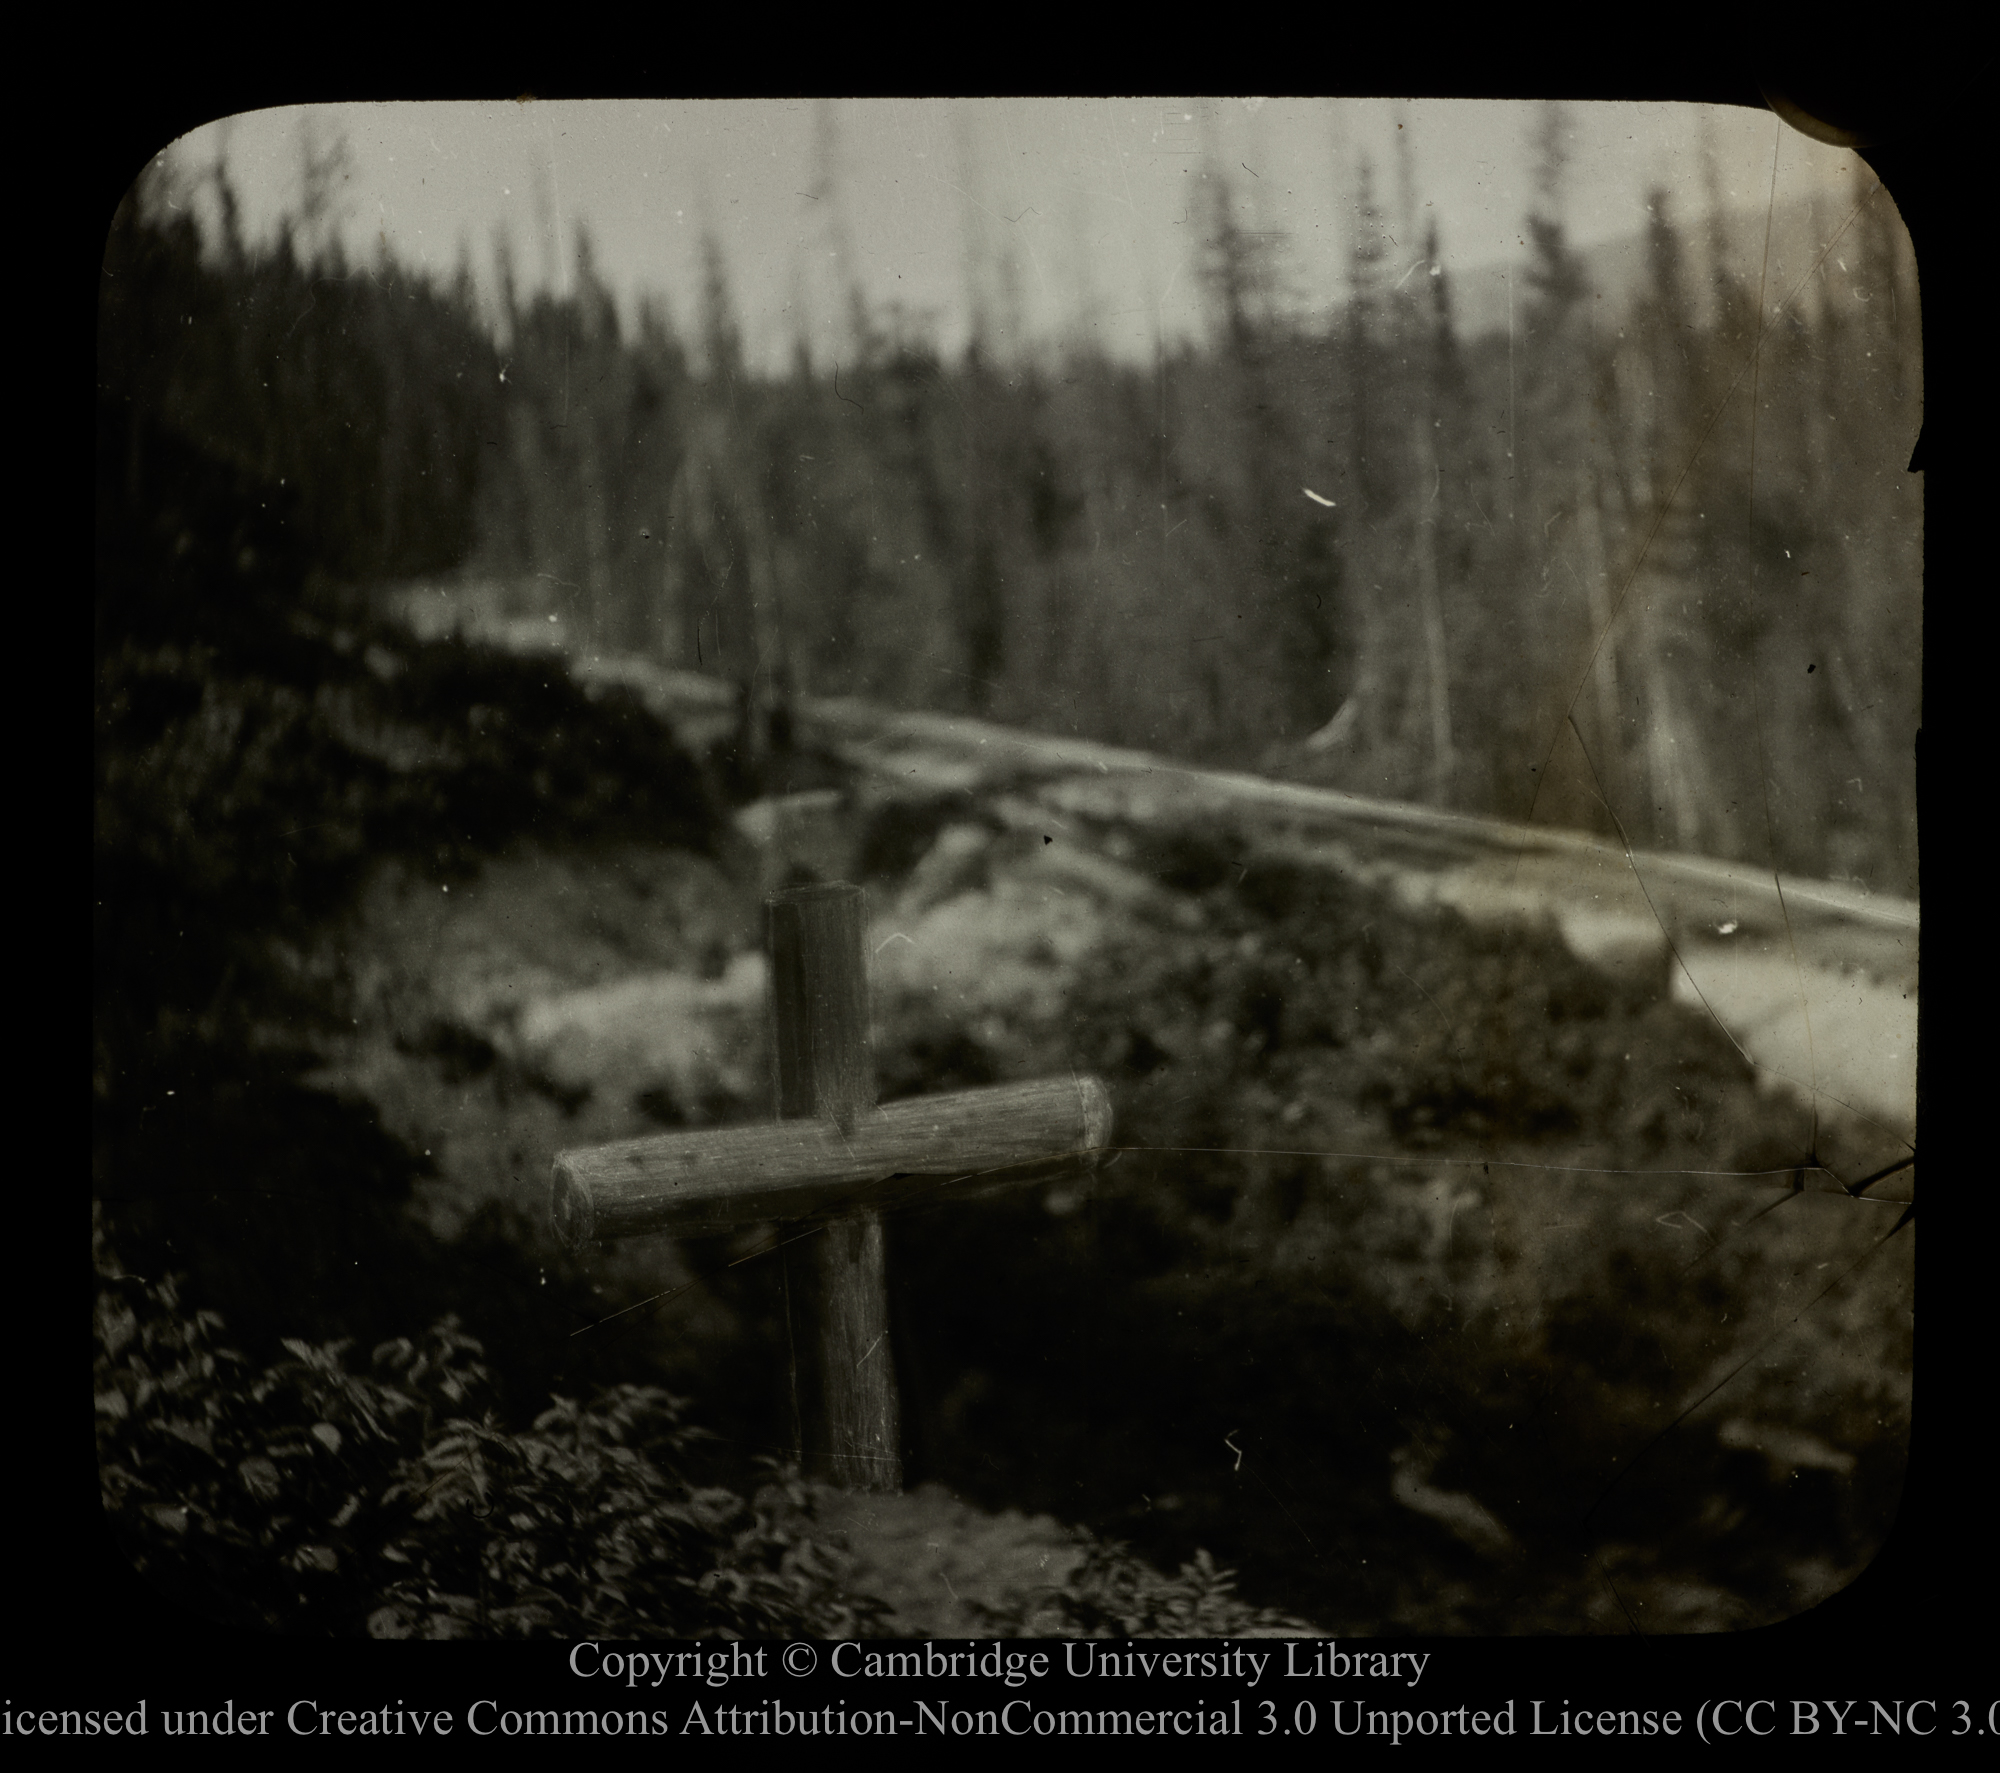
{"points": [[835, 1161], [733, 620], [720, 503], [1421, 316]]}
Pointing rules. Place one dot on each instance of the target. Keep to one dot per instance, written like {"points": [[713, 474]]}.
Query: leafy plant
{"points": [[581, 1526], [1113, 1594], [323, 1494]]}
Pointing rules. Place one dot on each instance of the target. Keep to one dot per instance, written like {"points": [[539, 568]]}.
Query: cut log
{"points": [[952, 1146]]}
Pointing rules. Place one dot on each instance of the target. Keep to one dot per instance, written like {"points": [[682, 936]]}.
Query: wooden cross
{"points": [[833, 1157]]}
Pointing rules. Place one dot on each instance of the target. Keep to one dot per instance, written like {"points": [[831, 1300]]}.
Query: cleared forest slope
{"points": [[1816, 981]]}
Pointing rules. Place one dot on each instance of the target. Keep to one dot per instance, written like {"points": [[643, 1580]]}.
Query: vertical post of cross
{"points": [[836, 1279]]}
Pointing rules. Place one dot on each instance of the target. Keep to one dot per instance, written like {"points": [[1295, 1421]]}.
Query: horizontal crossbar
{"points": [[929, 1147]]}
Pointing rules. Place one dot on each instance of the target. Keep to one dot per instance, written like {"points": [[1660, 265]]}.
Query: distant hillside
{"points": [[1615, 270]]}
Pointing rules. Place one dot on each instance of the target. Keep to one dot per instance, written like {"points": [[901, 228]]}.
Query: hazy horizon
{"points": [[1066, 220]]}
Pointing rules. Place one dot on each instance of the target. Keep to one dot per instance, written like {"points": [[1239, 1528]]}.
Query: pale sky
{"points": [[1101, 199]]}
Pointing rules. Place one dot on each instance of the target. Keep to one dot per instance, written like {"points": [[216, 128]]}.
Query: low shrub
{"points": [[331, 1494], [1113, 1594]]}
